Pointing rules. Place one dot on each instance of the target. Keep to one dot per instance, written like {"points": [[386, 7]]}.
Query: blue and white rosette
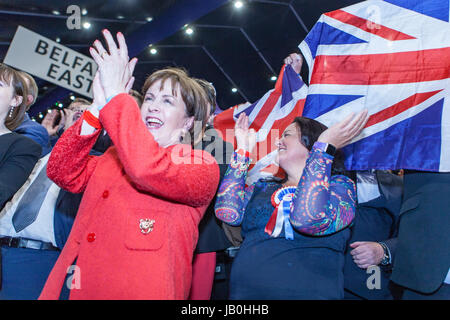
{"points": [[281, 200]]}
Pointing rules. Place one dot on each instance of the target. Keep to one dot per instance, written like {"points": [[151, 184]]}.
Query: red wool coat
{"points": [[118, 255]]}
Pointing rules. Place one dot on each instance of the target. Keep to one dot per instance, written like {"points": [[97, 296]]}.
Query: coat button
{"points": [[91, 237], [105, 194]]}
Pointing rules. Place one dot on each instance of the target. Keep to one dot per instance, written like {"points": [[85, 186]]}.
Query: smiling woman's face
{"points": [[164, 113], [291, 152]]}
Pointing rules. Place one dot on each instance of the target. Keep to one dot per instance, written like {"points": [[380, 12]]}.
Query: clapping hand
{"points": [[342, 133], [245, 137], [52, 122], [115, 68]]}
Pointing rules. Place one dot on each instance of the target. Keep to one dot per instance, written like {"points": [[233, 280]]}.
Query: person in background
{"points": [[57, 121], [40, 217], [151, 189], [29, 128], [18, 154], [373, 239], [312, 205], [421, 269], [212, 238]]}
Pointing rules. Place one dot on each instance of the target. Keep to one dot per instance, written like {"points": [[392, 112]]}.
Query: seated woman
{"points": [[137, 226], [311, 205], [18, 154]]}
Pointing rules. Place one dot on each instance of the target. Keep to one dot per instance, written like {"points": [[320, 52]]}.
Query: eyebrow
{"points": [[165, 95]]}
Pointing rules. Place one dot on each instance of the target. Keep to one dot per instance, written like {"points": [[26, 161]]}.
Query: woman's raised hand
{"points": [[115, 68], [245, 137], [342, 133]]}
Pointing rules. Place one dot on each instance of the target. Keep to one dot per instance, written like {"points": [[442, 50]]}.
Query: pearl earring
{"points": [[11, 112]]}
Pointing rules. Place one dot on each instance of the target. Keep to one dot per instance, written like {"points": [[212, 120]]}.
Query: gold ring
{"points": [[101, 56]]}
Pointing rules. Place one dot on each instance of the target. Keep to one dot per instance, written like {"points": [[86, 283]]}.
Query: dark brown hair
{"points": [[310, 130], [192, 94], [210, 94], [13, 78]]}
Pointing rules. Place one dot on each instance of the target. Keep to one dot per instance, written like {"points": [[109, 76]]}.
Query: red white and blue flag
{"points": [[269, 116], [393, 58]]}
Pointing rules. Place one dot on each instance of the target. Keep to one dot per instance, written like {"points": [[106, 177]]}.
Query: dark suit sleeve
{"points": [[20, 161], [392, 246]]}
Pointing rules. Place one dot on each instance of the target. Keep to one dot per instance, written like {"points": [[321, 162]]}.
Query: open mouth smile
{"points": [[153, 123]]}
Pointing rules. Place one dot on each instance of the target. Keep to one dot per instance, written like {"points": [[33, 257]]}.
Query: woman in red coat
{"points": [[137, 225]]}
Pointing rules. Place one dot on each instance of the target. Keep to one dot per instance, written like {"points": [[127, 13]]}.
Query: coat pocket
{"points": [[146, 229]]}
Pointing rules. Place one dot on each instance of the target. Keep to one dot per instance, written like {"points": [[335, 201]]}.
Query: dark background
{"points": [[230, 47]]}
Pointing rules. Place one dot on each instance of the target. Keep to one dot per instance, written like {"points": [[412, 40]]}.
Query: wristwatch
{"points": [[326, 147], [387, 255]]}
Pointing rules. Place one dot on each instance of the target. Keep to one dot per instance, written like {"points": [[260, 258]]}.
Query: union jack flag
{"points": [[393, 58], [269, 116]]}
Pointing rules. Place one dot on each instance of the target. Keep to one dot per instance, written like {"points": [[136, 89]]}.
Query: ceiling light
{"points": [[120, 17], [234, 90], [72, 97], [58, 39], [273, 78], [149, 19], [153, 51], [41, 115], [189, 31], [56, 12], [238, 4], [86, 25], [84, 12]]}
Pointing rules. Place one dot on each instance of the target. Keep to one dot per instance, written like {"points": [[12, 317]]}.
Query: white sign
{"points": [[48, 60]]}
